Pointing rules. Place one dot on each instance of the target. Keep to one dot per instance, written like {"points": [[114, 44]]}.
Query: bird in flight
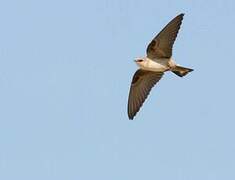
{"points": [[151, 68]]}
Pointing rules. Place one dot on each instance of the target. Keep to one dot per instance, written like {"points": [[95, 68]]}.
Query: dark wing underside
{"points": [[142, 83], [161, 45]]}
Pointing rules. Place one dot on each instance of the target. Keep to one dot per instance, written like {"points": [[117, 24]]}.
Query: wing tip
{"points": [[182, 14], [131, 115]]}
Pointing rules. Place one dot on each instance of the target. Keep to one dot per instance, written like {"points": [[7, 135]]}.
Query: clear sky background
{"points": [[65, 72]]}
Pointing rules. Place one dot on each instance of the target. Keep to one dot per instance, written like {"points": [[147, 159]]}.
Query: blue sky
{"points": [[65, 72]]}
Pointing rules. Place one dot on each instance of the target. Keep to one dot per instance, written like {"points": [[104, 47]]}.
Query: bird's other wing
{"points": [[161, 45], [141, 84]]}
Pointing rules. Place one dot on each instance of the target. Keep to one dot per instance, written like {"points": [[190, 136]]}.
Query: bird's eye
{"points": [[140, 60]]}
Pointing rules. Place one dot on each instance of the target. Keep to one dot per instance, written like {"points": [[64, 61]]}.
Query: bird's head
{"points": [[139, 61]]}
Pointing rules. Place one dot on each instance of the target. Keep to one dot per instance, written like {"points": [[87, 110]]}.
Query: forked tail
{"points": [[181, 71]]}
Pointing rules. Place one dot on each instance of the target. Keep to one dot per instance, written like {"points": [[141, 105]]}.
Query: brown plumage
{"points": [[141, 84], [152, 67], [161, 45]]}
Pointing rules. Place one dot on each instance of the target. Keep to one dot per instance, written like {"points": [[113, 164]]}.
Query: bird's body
{"points": [[154, 65]]}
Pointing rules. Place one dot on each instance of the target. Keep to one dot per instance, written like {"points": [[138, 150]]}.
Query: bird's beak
{"points": [[135, 60]]}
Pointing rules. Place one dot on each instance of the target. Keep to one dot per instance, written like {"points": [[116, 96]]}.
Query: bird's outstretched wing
{"points": [[161, 45], [141, 84]]}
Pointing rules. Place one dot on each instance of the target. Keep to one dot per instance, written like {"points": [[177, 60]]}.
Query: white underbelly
{"points": [[154, 66]]}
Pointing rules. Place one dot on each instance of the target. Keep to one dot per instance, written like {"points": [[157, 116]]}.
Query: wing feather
{"points": [[142, 83], [161, 45]]}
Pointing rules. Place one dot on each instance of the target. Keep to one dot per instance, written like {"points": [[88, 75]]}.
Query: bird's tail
{"points": [[181, 71]]}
